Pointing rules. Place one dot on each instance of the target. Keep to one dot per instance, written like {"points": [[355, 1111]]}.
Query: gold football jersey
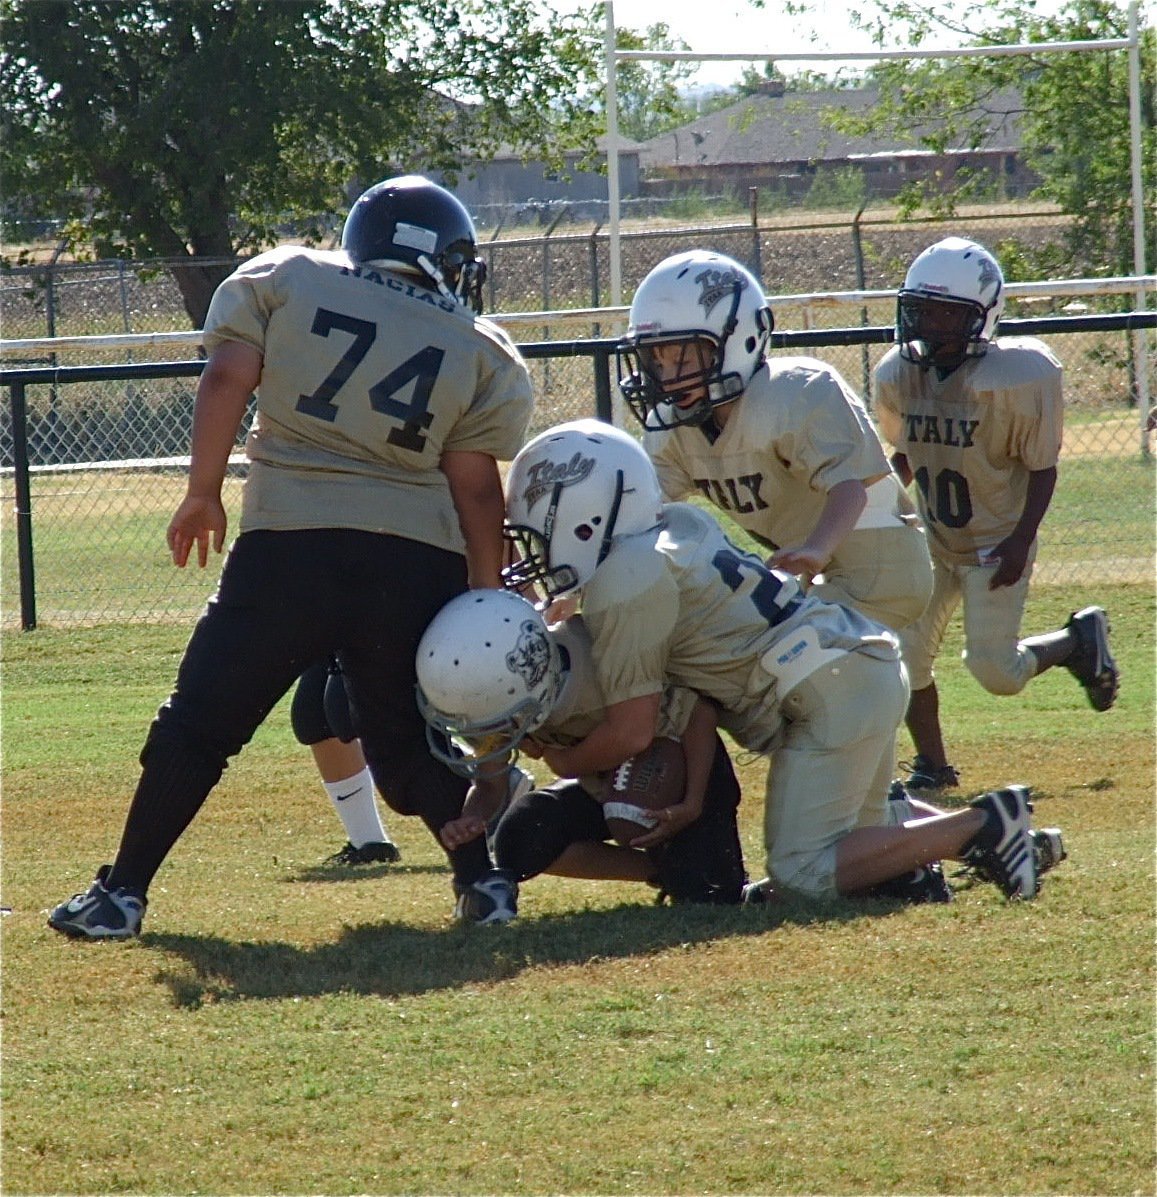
{"points": [[797, 431], [368, 378], [580, 707], [973, 438], [682, 604]]}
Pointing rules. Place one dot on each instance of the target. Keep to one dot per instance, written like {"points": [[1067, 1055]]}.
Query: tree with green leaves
{"points": [[1072, 109], [194, 130], [649, 97]]}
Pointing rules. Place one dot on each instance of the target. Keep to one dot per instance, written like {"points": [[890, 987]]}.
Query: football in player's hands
{"points": [[655, 778]]}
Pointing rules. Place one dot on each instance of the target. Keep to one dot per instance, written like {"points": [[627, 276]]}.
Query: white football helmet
{"points": [[950, 304], [571, 492], [715, 312], [488, 675]]}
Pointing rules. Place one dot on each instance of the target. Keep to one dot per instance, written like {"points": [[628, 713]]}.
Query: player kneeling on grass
{"points": [[494, 679], [668, 599]]}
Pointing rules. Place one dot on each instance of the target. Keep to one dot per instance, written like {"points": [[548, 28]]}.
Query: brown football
{"points": [[653, 779]]}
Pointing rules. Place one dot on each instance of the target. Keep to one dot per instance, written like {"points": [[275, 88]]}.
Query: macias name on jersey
{"points": [[401, 286], [939, 430], [725, 492]]}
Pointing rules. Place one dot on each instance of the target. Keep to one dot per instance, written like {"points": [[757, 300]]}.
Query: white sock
{"points": [[357, 809]]}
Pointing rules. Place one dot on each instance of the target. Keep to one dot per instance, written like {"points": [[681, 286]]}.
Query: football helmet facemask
{"points": [[950, 304], [412, 225], [698, 330], [489, 674], [571, 492]]}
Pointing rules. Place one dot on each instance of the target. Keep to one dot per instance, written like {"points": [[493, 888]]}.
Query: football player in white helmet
{"points": [[977, 420], [669, 600], [783, 445], [582, 503], [384, 403], [489, 675], [494, 678]]}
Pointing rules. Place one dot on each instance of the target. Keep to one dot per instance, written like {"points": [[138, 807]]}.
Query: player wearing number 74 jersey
{"points": [[977, 422], [373, 498]]}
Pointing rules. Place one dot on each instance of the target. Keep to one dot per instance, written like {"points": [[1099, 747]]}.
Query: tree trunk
{"points": [[197, 282]]}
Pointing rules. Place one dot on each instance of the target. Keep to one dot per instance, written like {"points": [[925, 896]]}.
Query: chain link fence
{"points": [[107, 468], [106, 449], [561, 268]]}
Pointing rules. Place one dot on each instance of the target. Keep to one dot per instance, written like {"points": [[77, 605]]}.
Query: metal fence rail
{"points": [[94, 456]]}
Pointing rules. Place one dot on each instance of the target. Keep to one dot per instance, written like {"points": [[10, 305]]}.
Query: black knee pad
{"points": [[418, 785], [336, 705], [536, 829], [184, 762], [307, 711]]}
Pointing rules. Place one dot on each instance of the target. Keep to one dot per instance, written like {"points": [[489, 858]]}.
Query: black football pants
{"points": [[702, 863], [286, 600]]}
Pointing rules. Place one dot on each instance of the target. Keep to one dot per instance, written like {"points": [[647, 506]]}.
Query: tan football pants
{"points": [[832, 772], [992, 619]]}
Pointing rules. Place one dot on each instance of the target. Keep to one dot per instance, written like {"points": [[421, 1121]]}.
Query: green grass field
{"points": [[281, 1027]]}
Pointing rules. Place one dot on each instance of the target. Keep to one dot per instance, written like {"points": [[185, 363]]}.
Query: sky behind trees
{"points": [[727, 26]]}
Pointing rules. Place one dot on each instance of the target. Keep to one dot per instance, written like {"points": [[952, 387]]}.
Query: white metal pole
{"points": [[613, 158], [1140, 347]]}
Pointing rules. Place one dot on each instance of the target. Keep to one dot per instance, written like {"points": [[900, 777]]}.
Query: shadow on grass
{"points": [[323, 872], [395, 959]]}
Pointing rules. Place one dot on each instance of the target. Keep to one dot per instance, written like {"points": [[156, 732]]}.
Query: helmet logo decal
{"points": [[989, 274], [530, 657], [543, 476], [715, 285], [414, 237]]}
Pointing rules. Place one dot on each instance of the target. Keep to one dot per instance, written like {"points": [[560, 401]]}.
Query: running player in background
{"points": [[976, 420]]}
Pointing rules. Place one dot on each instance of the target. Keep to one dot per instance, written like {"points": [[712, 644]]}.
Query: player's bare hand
{"points": [[199, 521], [801, 561], [485, 797], [672, 820], [558, 760], [1011, 556], [459, 832], [561, 609], [532, 748]]}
